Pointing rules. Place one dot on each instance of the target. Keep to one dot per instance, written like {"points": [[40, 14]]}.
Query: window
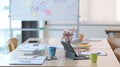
{"points": [[118, 10], [4, 25]]}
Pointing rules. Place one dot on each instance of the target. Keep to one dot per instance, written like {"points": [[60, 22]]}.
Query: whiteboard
{"points": [[44, 9]]}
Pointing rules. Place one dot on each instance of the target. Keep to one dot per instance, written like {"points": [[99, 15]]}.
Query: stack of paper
{"points": [[83, 46], [76, 41]]}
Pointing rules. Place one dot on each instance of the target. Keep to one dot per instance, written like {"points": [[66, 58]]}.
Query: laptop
{"points": [[70, 52]]}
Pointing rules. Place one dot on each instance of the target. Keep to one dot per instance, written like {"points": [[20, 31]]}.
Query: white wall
{"points": [[98, 11]]}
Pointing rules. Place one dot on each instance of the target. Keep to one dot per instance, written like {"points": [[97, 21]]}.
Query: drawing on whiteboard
{"points": [[39, 6], [64, 3], [42, 6], [58, 1]]}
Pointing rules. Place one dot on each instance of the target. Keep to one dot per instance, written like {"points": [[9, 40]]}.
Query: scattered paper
{"points": [[29, 47], [99, 53], [24, 61]]}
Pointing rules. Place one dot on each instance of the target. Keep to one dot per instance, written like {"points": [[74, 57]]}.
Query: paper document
{"points": [[28, 47], [24, 61], [99, 53], [95, 40]]}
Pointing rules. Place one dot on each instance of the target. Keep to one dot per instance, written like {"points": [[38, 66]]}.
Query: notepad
{"points": [[31, 61]]}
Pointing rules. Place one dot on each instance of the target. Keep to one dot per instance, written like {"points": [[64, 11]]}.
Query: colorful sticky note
{"points": [[47, 12], [34, 14]]}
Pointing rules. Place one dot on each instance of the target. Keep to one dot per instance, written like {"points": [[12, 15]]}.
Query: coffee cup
{"points": [[81, 37], [93, 57], [52, 51]]}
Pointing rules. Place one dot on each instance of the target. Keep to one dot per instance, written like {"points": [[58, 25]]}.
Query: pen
{"points": [[98, 52]]}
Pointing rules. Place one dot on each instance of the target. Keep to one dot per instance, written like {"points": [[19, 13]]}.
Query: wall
{"points": [[96, 16], [98, 11], [90, 31]]}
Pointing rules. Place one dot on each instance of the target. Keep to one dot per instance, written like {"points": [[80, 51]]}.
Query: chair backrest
{"points": [[15, 41], [114, 42], [12, 44], [117, 53]]}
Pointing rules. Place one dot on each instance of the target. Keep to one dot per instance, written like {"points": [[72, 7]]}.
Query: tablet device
{"points": [[70, 52]]}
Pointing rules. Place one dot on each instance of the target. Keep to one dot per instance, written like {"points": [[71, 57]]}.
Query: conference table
{"points": [[97, 44]]}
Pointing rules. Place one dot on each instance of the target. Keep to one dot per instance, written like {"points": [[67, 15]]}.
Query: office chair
{"points": [[12, 44]]}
